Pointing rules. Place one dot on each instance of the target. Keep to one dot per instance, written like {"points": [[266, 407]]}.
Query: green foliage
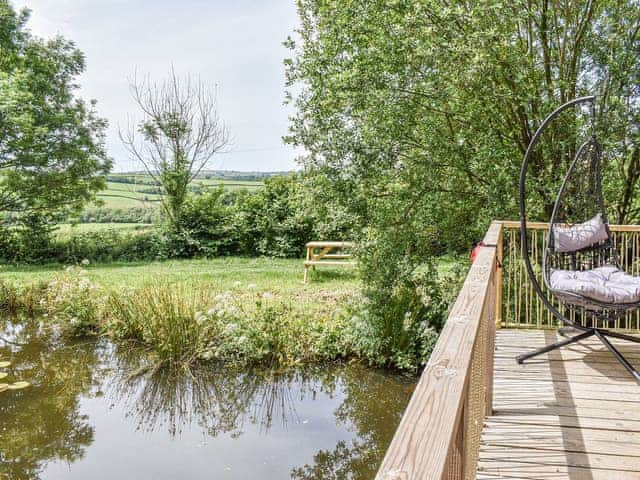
{"points": [[73, 301], [404, 305], [419, 113], [21, 245], [275, 221], [119, 215], [52, 155]]}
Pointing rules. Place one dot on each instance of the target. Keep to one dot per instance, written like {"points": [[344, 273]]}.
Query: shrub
{"points": [[404, 302], [74, 302], [120, 215]]}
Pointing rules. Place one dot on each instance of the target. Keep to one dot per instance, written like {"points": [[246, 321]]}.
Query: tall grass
{"points": [[163, 316], [182, 324]]}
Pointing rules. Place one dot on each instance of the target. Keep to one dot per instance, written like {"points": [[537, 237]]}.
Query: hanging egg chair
{"points": [[580, 266]]}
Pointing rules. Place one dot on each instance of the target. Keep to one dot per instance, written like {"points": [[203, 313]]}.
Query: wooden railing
{"points": [[439, 435], [521, 307]]}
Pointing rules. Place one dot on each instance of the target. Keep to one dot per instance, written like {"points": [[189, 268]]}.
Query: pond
{"points": [[87, 415]]}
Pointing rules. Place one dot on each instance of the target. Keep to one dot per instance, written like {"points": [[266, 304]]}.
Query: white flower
{"points": [[208, 355], [267, 295], [85, 261], [237, 283], [251, 286]]}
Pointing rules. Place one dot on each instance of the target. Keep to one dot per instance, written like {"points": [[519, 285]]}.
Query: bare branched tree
{"points": [[179, 134]]}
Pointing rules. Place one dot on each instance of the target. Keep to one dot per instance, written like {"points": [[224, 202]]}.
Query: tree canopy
{"points": [[419, 113], [437, 101], [52, 155]]}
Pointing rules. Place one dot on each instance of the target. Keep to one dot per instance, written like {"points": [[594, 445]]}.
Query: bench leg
{"points": [[306, 272]]}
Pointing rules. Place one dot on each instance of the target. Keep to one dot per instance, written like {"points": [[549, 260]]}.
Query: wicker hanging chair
{"points": [[580, 267]]}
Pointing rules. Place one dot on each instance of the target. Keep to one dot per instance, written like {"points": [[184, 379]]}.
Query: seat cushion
{"points": [[606, 284]]}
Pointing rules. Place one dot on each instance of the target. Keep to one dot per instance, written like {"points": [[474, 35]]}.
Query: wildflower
{"points": [[208, 355], [237, 283], [85, 262], [266, 295], [251, 286]]}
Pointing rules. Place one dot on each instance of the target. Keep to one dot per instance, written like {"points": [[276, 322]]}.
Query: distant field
{"points": [[139, 193], [66, 230]]}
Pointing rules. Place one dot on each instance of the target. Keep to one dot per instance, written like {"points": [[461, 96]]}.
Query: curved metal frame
{"points": [[524, 241], [602, 310]]}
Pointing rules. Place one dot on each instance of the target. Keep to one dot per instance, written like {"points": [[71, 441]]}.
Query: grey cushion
{"points": [[581, 235], [606, 284]]}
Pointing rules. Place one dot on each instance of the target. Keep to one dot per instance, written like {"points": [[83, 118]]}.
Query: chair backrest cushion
{"points": [[579, 236]]}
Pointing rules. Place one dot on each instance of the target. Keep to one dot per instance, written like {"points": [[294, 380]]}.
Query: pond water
{"points": [[86, 417]]}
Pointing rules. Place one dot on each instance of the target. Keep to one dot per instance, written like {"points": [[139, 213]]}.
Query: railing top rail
{"points": [[511, 224], [429, 426]]}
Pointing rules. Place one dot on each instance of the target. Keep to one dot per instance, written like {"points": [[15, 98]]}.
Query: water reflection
{"points": [[84, 395], [43, 422], [217, 400]]}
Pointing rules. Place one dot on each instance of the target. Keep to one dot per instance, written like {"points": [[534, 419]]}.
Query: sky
{"points": [[235, 45]]}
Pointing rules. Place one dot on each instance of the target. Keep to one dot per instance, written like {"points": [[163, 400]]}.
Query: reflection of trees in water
{"points": [[372, 408], [219, 400], [42, 423]]}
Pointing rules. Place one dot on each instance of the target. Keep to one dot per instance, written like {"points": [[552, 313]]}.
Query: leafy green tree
{"points": [[52, 155], [420, 112]]}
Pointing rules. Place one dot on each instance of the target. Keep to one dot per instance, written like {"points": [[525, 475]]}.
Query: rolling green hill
{"points": [[138, 190]]}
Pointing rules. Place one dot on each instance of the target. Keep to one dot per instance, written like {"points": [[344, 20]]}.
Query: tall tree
{"points": [[179, 134], [52, 155], [420, 112]]}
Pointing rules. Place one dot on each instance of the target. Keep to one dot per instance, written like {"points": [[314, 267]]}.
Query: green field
{"points": [[137, 195]]}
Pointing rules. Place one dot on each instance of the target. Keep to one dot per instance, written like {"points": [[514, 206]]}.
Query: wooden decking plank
{"points": [[569, 414], [564, 440], [519, 400], [569, 421], [523, 471], [565, 458], [508, 431], [548, 382]]}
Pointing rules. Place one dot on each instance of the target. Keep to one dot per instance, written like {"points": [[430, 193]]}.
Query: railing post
{"points": [[498, 284]]}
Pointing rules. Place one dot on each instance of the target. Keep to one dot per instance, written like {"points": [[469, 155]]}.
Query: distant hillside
{"points": [[209, 175]]}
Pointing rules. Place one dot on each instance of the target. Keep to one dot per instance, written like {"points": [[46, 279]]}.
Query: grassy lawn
{"points": [[282, 277], [275, 274]]}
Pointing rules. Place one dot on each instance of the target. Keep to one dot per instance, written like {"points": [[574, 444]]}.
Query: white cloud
{"points": [[234, 44]]}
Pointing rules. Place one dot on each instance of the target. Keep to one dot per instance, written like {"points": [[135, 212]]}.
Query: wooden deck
{"points": [[570, 414]]}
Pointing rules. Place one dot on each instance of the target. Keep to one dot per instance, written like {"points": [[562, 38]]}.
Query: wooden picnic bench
{"points": [[327, 253]]}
